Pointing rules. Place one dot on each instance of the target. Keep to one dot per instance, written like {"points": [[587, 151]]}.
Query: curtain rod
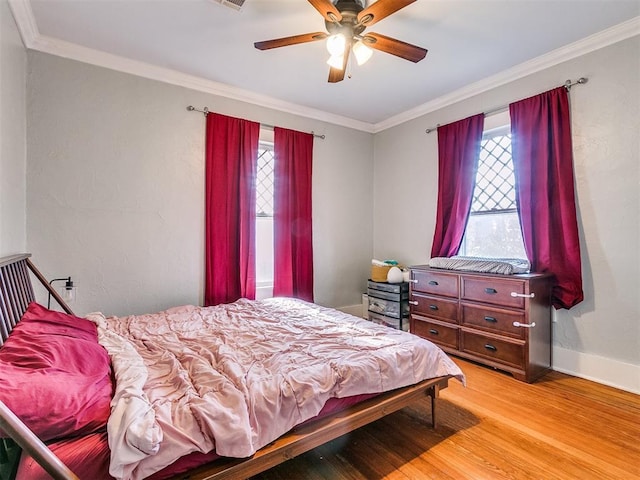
{"points": [[568, 84], [206, 112]]}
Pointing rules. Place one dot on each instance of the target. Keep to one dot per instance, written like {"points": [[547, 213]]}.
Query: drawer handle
{"points": [[490, 291], [491, 319], [413, 281], [524, 325], [433, 331], [433, 282], [523, 295], [488, 346], [411, 302], [433, 307]]}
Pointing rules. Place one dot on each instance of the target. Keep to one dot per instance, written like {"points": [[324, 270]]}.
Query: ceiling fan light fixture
{"points": [[336, 61], [336, 44], [361, 52]]}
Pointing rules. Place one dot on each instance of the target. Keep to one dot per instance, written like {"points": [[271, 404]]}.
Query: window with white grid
{"points": [[493, 229], [495, 188], [264, 181], [264, 220]]}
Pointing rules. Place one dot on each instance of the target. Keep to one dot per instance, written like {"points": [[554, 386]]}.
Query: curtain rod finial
{"points": [[318, 136], [432, 129], [568, 84]]}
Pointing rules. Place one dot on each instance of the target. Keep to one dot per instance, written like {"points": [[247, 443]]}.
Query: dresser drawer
{"points": [[387, 307], [440, 334], [502, 351], [493, 320], [435, 283], [441, 308], [496, 291], [389, 287], [394, 297], [397, 323]]}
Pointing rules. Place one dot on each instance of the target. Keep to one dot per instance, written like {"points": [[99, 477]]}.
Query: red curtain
{"points": [[543, 164], [458, 151], [293, 249], [230, 208]]}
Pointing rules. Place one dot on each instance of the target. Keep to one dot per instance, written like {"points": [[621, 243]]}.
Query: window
{"points": [[264, 181], [493, 228], [264, 220]]}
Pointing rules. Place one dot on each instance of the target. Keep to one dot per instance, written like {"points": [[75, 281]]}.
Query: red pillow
{"points": [[54, 375]]}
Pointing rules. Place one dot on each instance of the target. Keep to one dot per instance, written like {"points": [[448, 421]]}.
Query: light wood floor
{"points": [[560, 427]]}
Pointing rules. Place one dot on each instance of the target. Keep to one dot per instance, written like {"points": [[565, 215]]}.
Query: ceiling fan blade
{"points": [[381, 9], [337, 75], [327, 10], [394, 47], [294, 40]]}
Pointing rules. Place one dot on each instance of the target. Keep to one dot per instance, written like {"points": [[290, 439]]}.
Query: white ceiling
{"points": [[472, 44]]}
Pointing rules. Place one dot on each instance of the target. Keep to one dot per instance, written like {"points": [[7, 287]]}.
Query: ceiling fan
{"points": [[346, 21]]}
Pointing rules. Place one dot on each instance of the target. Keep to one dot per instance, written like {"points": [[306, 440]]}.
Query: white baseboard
{"points": [[607, 371], [355, 310]]}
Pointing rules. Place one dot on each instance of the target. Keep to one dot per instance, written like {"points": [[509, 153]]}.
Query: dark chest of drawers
{"points": [[503, 321]]}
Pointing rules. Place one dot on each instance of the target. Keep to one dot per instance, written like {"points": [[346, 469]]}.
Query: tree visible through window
{"points": [[493, 228]]}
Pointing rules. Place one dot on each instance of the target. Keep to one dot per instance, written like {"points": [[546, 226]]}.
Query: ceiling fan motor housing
{"points": [[348, 26]]}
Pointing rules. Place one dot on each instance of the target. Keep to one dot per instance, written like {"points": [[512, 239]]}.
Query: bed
{"points": [[125, 420]]}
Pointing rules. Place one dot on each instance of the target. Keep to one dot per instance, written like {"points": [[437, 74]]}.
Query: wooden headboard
{"points": [[16, 291]]}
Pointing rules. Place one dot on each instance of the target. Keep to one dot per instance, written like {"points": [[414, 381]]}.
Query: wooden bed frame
{"points": [[16, 292]]}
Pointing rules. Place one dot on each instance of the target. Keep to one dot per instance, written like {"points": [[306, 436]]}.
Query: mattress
{"points": [[88, 456], [228, 379]]}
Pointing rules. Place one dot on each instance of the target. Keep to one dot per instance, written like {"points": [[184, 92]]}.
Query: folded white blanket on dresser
{"points": [[504, 266]]}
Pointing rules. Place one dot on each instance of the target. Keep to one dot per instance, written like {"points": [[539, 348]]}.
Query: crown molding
{"points": [[33, 40], [26, 22], [602, 39], [99, 58]]}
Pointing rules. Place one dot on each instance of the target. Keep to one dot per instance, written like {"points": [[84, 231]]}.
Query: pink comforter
{"points": [[236, 377]]}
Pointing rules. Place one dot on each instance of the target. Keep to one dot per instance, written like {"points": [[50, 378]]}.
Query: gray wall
{"points": [[13, 156], [605, 120], [115, 193]]}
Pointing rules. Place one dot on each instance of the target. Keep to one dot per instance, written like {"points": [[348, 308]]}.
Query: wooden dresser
{"points": [[503, 321]]}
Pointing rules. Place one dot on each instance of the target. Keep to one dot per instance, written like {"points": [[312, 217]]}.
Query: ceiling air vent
{"points": [[234, 4]]}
